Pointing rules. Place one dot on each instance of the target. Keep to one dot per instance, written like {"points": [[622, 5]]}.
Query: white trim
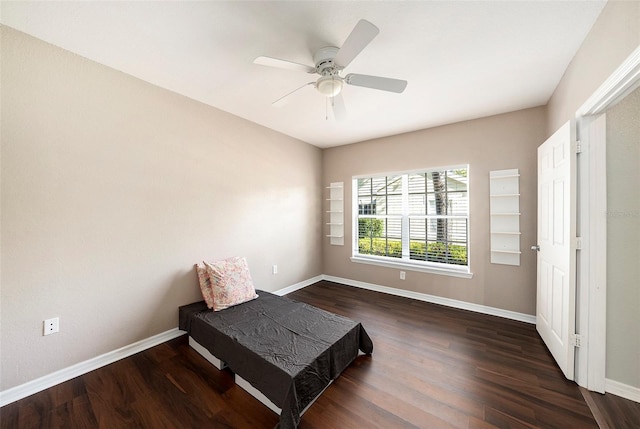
{"points": [[631, 393], [34, 386], [297, 286], [596, 258], [507, 314], [401, 264], [622, 82], [591, 311]]}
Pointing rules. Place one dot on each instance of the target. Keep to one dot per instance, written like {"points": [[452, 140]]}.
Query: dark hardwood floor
{"points": [[611, 411], [432, 367]]}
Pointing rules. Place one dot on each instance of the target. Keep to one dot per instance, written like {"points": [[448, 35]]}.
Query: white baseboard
{"points": [[300, 285], [623, 390], [507, 314], [34, 386]]}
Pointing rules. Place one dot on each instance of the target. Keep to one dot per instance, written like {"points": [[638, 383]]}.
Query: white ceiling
{"points": [[463, 60]]}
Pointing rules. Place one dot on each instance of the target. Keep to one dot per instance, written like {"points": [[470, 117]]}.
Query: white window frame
{"points": [[405, 263]]}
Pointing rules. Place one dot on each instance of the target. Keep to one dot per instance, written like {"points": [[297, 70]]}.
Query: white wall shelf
{"points": [[505, 176], [336, 213], [504, 208]]}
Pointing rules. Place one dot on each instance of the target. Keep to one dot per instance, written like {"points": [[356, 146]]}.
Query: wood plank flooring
{"points": [[432, 367], [611, 411]]}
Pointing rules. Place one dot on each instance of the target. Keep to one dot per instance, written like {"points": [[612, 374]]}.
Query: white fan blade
{"points": [[339, 111], [283, 100], [283, 64], [376, 82], [362, 34]]}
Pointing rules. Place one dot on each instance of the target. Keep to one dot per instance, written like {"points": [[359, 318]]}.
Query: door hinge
{"points": [[578, 146], [576, 340], [578, 243]]}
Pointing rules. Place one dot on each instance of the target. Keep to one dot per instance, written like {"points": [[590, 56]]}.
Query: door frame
{"points": [[592, 225]]}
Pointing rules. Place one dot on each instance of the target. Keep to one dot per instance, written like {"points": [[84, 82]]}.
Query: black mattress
{"points": [[290, 351]]}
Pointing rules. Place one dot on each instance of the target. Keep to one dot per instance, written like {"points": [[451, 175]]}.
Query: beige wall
{"points": [[112, 188], [494, 143], [623, 241], [613, 37]]}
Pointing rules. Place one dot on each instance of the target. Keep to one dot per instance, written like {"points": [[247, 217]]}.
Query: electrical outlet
{"points": [[51, 326], [274, 269], [402, 275]]}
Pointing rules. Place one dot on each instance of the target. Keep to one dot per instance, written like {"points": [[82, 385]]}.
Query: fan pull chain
{"points": [[326, 108]]}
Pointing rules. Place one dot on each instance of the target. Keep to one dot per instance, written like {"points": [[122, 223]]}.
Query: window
{"points": [[417, 220]]}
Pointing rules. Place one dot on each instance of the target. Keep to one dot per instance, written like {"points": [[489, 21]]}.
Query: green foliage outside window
{"points": [[432, 251], [370, 227], [380, 247]]}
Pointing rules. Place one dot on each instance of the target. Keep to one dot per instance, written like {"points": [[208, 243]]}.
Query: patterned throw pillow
{"points": [[206, 284], [231, 281]]}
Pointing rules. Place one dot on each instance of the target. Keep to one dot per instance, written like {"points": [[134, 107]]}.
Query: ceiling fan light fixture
{"points": [[329, 86]]}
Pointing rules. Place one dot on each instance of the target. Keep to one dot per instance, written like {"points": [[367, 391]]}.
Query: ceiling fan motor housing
{"points": [[330, 83], [323, 60]]}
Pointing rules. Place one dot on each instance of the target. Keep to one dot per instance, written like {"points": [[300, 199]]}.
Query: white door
{"points": [[555, 314]]}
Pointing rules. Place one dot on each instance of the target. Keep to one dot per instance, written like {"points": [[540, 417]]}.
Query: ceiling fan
{"points": [[330, 61]]}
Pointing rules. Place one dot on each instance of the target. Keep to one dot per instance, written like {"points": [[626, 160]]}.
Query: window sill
{"points": [[463, 273]]}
